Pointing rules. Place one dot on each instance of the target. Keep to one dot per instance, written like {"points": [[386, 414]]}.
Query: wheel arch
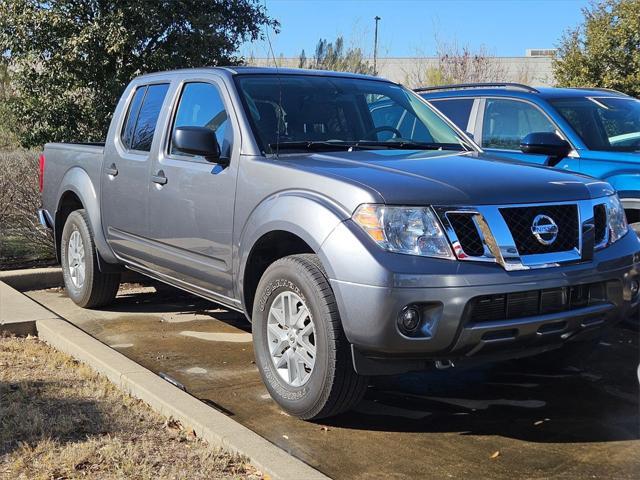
{"points": [[282, 225], [626, 184], [78, 191]]}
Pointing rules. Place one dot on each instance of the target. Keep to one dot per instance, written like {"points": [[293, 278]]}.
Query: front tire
{"points": [[301, 350], [86, 285]]}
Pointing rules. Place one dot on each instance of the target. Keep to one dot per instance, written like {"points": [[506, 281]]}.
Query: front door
{"points": [[125, 173], [506, 122], [191, 200]]}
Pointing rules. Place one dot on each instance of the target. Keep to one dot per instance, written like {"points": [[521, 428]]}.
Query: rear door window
{"points": [[457, 110], [147, 117], [132, 116]]}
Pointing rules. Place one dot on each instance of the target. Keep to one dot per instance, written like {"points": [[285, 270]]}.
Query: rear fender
{"points": [[77, 180]]}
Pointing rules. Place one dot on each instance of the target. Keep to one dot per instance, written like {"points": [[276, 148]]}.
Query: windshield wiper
{"points": [[311, 145], [409, 145], [363, 145]]}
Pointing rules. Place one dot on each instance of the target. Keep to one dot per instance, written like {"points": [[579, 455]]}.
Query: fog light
{"points": [[409, 320], [634, 287]]}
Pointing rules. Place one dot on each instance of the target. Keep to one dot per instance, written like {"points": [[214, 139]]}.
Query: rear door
{"points": [[191, 200], [125, 172]]}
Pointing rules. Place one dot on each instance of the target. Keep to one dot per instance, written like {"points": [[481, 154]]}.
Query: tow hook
{"points": [[444, 364]]}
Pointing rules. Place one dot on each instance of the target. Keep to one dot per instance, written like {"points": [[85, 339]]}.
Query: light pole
{"points": [[375, 47]]}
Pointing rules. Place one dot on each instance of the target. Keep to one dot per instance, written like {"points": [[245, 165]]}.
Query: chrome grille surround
{"points": [[498, 242]]}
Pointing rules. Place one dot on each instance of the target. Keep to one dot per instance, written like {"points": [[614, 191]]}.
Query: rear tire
{"points": [[301, 350], [86, 285]]}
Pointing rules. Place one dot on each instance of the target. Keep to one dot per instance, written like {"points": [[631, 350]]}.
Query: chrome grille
{"points": [[467, 233], [505, 234], [600, 224], [520, 220]]}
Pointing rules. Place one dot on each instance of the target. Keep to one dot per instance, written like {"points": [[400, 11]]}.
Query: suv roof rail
{"points": [[599, 89], [461, 86]]}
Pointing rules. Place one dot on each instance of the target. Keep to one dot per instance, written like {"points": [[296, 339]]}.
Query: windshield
{"points": [[604, 123], [308, 112]]}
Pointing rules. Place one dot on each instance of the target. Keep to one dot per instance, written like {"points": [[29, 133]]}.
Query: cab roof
{"points": [[509, 89], [248, 70]]}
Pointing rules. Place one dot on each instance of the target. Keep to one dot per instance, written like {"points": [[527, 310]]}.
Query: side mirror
{"points": [[199, 141], [545, 143]]}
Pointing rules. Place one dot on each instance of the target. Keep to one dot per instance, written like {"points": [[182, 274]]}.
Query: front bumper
{"points": [[369, 312]]}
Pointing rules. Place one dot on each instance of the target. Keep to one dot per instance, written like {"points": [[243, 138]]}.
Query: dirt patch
{"points": [[59, 419]]}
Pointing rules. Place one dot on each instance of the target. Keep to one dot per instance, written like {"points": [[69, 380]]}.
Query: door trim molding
{"points": [[232, 303]]}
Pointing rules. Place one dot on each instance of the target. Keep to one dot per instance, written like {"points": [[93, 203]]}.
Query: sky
{"points": [[414, 27]]}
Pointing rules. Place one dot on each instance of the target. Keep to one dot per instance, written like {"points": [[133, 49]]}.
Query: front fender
{"points": [[309, 215], [627, 184], [78, 181]]}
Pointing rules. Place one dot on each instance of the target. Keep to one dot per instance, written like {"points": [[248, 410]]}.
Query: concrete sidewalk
{"points": [[18, 313]]}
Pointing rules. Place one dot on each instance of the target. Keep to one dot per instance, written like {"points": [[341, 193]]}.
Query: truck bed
{"points": [[64, 162]]}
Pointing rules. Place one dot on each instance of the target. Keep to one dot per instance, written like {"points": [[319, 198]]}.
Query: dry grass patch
{"points": [[59, 420]]}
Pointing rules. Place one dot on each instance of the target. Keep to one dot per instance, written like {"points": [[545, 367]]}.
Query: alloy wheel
{"points": [[291, 338]]}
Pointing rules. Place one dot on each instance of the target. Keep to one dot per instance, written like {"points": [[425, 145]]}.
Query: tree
{"points": [[605, 50], [71, 59], [8, 138], [333, 56], [455, 64]]}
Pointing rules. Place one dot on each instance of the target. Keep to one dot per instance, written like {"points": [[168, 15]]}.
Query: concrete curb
{"points": [[20, 314], [49, 277], [33, 278]]}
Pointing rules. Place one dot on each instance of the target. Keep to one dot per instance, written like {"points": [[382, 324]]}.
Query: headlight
{"points": [[618, 225], [409, 230]]}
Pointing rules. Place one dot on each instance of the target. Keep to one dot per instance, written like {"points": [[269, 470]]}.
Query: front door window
{"points": [[507, 122]]}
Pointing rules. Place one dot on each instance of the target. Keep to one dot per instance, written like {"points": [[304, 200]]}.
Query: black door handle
{"points": [[111, 170], [159, 178]]}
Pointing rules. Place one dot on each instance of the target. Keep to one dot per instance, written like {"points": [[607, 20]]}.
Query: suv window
{"points": [[201, 106], [604, 123], [457, 110], [140, 136], [506, 122]]}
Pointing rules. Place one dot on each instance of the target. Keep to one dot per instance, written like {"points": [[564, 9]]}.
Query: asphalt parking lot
{"points": [[497, 421]]}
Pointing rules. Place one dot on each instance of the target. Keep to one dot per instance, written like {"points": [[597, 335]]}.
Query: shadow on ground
{"points": [[504, 400], [29, 414]]}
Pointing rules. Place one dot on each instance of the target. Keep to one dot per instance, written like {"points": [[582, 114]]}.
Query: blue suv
{"points": [[588, 130]]}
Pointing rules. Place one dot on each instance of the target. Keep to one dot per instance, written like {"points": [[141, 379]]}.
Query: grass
{"points": [[61, 420], [14, 246], [15, 252]]}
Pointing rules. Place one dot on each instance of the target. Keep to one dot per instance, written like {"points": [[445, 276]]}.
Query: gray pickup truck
{"points": [[358, 240]]}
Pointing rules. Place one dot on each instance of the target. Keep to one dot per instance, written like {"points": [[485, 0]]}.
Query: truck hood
{"points": [[449, 178]]}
